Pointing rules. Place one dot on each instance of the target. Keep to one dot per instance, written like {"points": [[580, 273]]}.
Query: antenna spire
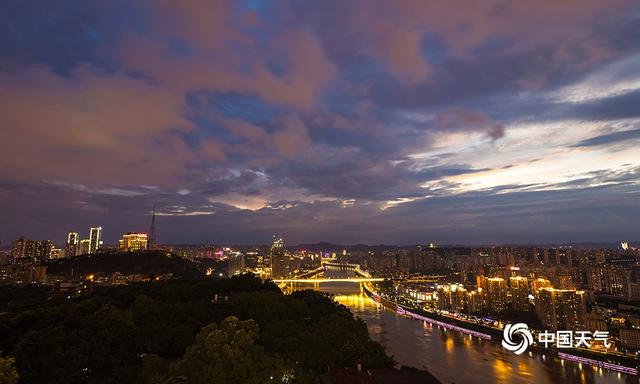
{"points": [[152, 231]]}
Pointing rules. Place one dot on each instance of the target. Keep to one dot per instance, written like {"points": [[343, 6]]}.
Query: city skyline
{"points": [[378, 123], [117, 244]]}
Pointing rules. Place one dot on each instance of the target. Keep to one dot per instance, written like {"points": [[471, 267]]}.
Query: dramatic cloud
{"points": [[381, 121], [622, 136]]}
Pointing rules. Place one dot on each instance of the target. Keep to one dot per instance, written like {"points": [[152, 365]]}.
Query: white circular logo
{"points": [[518, 331]]}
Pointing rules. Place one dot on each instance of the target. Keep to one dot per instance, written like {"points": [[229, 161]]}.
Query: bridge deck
{"points": [[328, 280]]}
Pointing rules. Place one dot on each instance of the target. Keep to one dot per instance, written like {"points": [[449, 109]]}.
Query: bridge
{"points": [[328, 280], [308, 276]]}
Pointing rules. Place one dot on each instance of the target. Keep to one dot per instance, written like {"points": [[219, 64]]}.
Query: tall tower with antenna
{"points": [[152, 230]]}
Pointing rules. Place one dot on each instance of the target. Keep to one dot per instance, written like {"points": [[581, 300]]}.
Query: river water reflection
{"points": [[454, 357]]}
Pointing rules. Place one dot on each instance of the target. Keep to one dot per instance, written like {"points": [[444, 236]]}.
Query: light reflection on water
{"points": [[454, 357]]}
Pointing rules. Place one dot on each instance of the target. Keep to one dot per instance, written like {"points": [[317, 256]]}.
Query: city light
{"points": [[319, 191]]}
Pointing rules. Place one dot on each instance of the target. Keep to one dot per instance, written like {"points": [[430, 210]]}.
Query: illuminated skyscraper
{"points": [[561, 309], [72, 247], [474, 302], [279, 260], [152, 230], [452, 297], [519, 293], [565, 281], [573, 304], [43, 249], [95, 239], [494, 293], [236, 264], [84, 247], [277, 245], [133, 241], [538, 284], [497, 294], [615, 280], [31, 248]]}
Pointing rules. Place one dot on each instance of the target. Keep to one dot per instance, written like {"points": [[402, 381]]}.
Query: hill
{"points": [[138, 262]]}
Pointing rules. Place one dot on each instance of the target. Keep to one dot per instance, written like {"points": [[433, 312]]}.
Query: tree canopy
{"points": [[8, 373], [239, 330]]}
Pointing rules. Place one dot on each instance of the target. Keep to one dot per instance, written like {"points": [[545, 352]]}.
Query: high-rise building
{"points": [[497, 294], [519, 293], [474, 302], [30, 248], [545, 307], [494, 293], [615, 280], [236, 264], [630, 338], [132, 241], [18, 248], [600, 257], [535, 256], [43, 249], [562, 309], [152, 230], [95, 239], [84, 246], [565, 281], [72, 247], [280, 266], [556, 253], [537, 284], [595, 277], [452, 297]]}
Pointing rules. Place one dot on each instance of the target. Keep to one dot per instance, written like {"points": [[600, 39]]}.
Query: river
{"points": [[458, 358]]}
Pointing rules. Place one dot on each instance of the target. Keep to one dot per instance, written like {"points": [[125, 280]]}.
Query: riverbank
{"points": [[612, 362]]}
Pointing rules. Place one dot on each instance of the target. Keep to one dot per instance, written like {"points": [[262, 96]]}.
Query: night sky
{"points": [[371, 121]]}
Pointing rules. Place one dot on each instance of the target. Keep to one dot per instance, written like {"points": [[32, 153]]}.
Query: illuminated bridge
{"points": [[308, 277], [329, 280]]}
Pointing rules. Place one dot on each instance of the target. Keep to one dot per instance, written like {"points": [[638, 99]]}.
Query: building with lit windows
{"points": [[132, 241], [474, 302], [630, 338], [494, 292], [537, 284], [236, 264], [280, 266], [84, 247], [72, 247], [451, 297], [565, 281], [562, 309], [519, 293], [43, 249], [19, 248], [95, 239], [31, 248], [56, 253]]}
